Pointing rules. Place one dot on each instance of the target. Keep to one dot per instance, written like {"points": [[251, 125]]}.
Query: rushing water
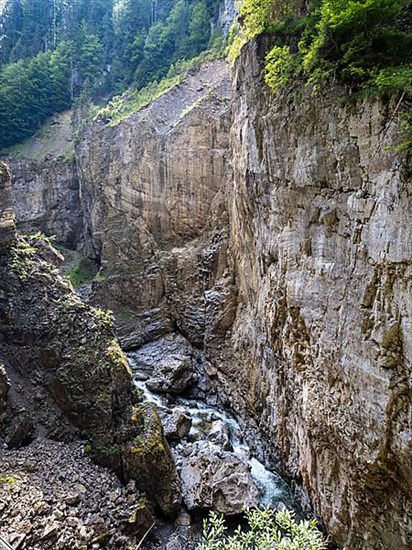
{"points": [[272, 488]]}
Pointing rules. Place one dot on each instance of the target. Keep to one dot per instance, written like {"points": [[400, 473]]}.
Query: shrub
{"points": [[267, 530], [280, 66]]}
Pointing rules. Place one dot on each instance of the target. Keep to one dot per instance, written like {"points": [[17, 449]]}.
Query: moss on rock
{"points": [[69, 373]]}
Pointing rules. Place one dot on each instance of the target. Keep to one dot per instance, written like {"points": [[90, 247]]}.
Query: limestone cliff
{"points": [[148, 186], [322, 245], [46, 198], [45, 182], [309, 257]]}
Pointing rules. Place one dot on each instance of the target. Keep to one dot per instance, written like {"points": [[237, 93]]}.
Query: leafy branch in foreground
{"points": [[267, 530]]}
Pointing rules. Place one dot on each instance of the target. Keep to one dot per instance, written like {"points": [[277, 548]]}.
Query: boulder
{"points": [[176, 425], [173, 375], [21, 431], [218, 480], [219, 435], [168, 362], [148, 455]]}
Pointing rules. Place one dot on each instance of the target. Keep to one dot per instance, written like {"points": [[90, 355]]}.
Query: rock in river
{"points": [[217, 479]]}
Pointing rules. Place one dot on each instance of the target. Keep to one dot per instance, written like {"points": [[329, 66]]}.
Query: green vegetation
{"points": [[8, 479], [266, 529], [53, 139], [365, 44], [81, 273], [122, 106], [55, 53]]}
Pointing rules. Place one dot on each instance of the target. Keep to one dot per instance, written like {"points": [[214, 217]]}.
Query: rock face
{"points": [[300, 295], [46, 198], [68, 375], [7, 221], [45, 183], [149, 185], [227, 15], [162, 179], [322, 244], [289, 269]]}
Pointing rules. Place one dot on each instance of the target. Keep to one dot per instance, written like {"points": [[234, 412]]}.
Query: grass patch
{"points": [[9, 479], [82, 273]]}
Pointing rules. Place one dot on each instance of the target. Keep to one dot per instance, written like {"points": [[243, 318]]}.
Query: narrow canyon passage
{"points": [[205, 270]]}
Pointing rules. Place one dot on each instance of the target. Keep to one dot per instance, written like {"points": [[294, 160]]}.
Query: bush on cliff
{"points": [[366, 44]]}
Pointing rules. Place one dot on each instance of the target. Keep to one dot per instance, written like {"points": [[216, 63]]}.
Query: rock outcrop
{"points": [[7, 219], [214, 479], [46, 193], [66, 371], [46, 198], [148, 187]]}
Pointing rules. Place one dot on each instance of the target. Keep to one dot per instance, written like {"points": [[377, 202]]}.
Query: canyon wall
{"points": [[322, 245], [46, 197], [274, 234], [148, 186], [292, 274], [7, 220], [63, 373]]}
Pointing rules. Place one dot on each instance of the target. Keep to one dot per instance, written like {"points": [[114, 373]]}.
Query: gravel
{"points": [[52, 496]]}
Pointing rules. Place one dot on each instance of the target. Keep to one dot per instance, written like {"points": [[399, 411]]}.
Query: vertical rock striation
{"points": [[7, 221], [322, 244], [149, 186], [46, 198]]}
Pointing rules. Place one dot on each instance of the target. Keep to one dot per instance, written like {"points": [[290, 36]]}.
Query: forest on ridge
{"points": [[54, 51]]}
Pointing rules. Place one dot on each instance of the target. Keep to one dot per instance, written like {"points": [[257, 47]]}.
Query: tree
{"points": [[62, 75], [199, 28]]}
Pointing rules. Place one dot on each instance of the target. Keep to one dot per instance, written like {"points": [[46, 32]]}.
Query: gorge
{"points": [[262, 238]]}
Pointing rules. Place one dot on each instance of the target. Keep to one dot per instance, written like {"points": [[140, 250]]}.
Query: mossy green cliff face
{"points": [[65, 374]]}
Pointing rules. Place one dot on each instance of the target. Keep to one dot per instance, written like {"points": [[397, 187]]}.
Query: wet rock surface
{"points": [[176, 425], [172, 376], [52, 496], [214, 463], [171, 365]]}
